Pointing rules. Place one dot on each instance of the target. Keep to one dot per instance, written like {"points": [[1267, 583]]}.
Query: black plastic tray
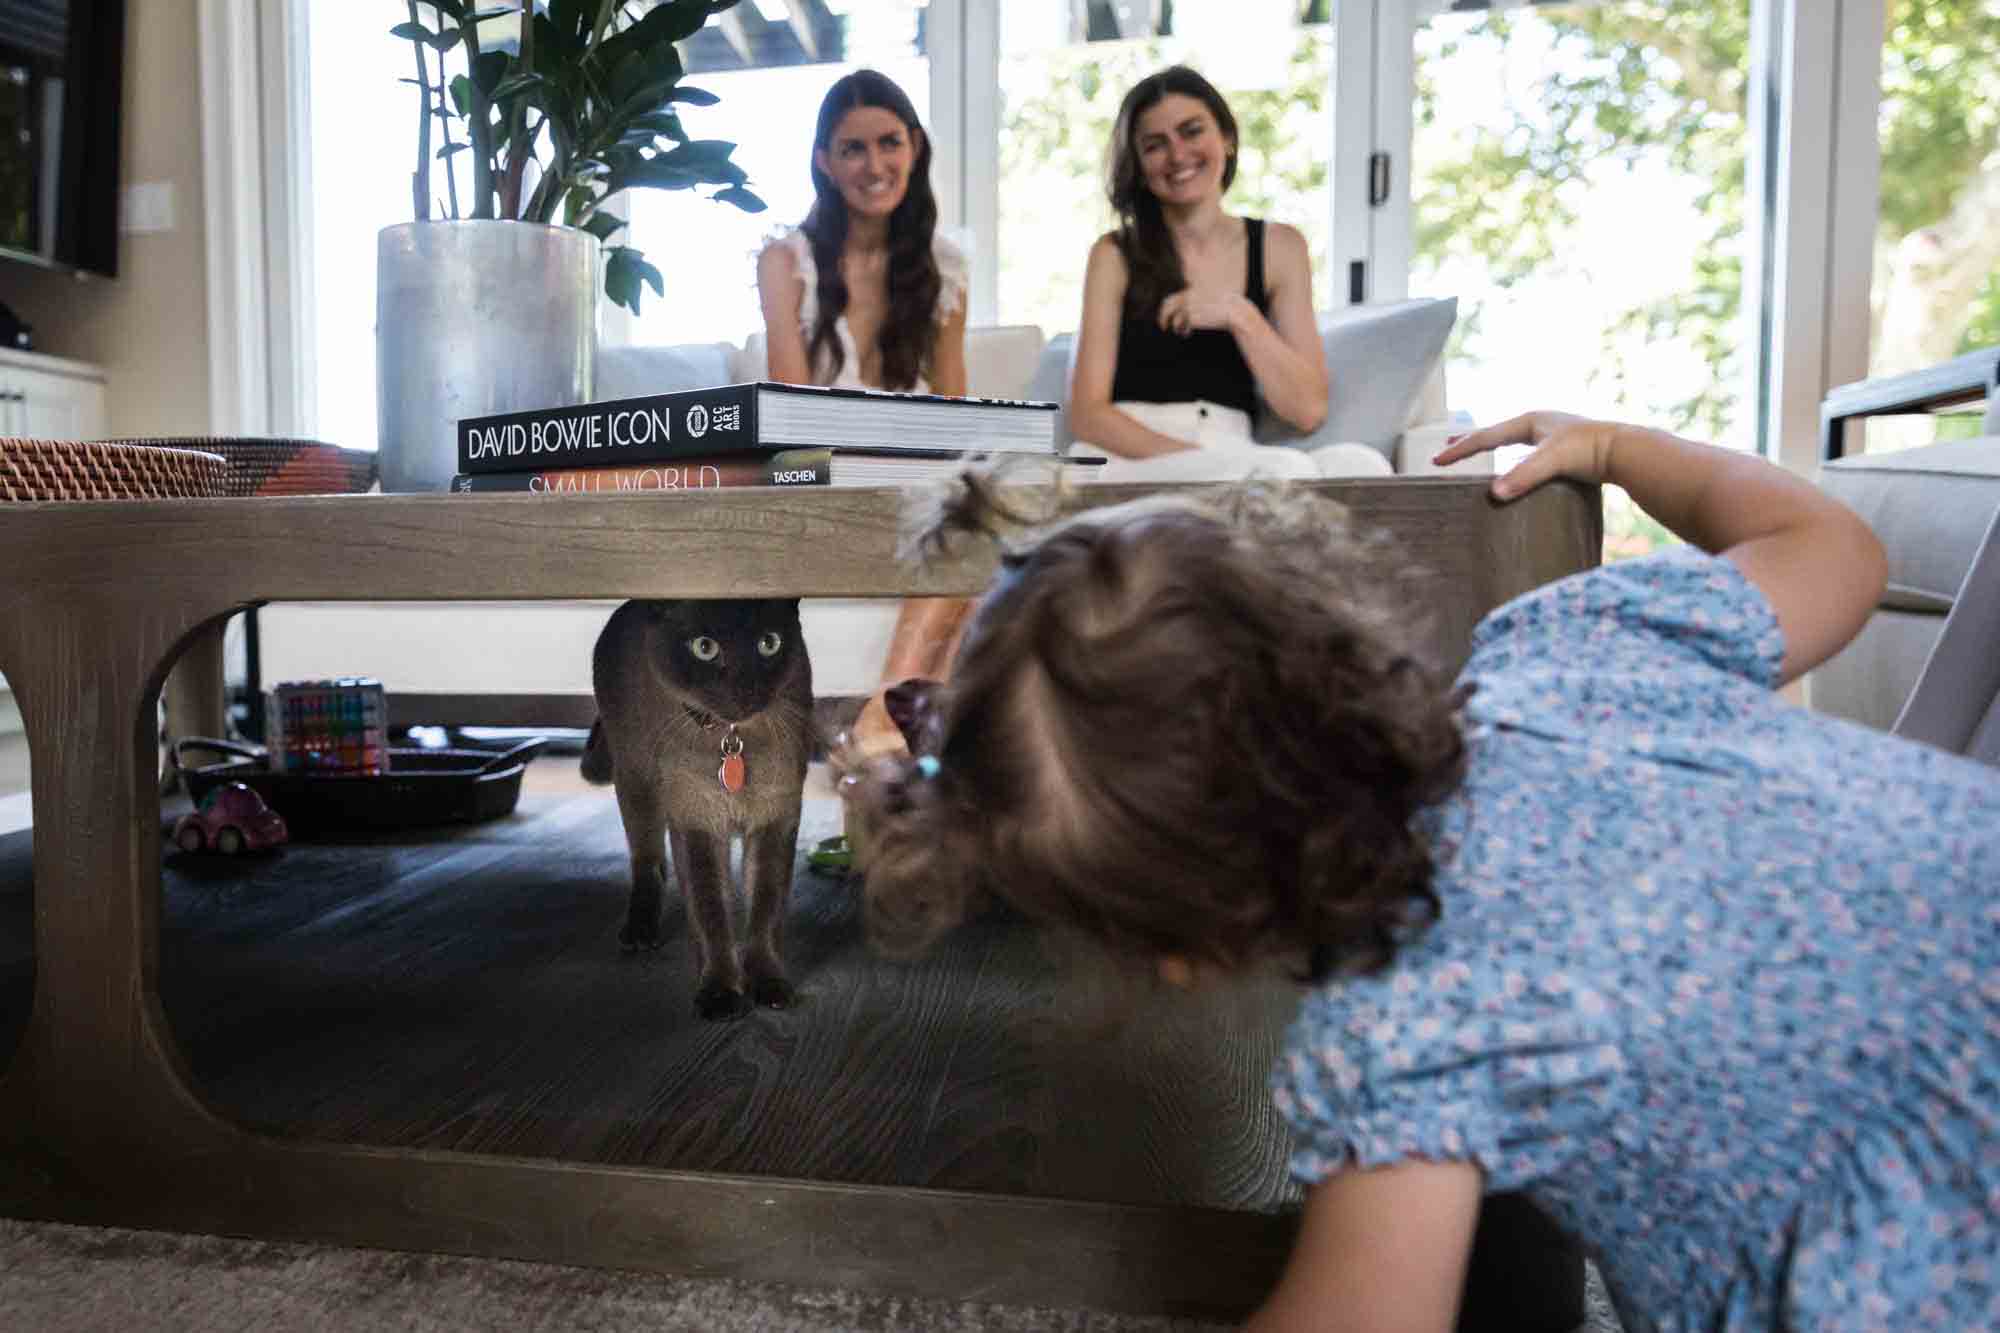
{"points": [[422, 787]]}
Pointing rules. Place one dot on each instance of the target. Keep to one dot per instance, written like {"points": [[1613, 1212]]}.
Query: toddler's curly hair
{"points": [[1184, 725]]}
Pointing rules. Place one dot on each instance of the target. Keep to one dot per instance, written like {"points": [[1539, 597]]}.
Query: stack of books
{"points": [[759, 434]]}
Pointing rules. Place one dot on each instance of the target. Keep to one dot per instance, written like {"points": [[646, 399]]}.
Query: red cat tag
{"points": [[730, 775]]}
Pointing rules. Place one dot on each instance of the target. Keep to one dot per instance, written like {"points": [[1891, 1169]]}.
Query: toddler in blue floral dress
{"points": [[1712, 979]]}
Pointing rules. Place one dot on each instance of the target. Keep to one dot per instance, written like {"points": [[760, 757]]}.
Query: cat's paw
{"points": [[773, 992], [719, 1002], [639, 934]]}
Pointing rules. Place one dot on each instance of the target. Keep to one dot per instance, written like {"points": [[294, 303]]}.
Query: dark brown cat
{"points": [[705, 727]]}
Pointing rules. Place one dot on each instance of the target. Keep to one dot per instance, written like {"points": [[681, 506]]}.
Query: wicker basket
{"points": [[261, 466], [107, 470]]}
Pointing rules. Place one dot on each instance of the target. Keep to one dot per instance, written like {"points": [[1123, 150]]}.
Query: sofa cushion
{"points": [[1000, 359], [1379, 359], [1050, 382], [1869, 680], [1930, 507], [634, 371]]}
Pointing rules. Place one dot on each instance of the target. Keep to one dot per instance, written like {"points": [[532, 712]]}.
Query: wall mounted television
{"points": [[61, 85]]}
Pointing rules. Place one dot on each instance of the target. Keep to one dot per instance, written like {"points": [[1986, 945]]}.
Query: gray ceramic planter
{"points": [[472, 318]]}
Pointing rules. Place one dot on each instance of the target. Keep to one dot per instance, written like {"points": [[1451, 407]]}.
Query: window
{"points": [[771, 84], [1577, 182], [1936, 284], [363, 154], [1064, 68], [770, 62], [1594, 235]]}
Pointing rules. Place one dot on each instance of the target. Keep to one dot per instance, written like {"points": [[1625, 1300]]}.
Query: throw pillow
{"points": [[1377, 358], [634, 372]]}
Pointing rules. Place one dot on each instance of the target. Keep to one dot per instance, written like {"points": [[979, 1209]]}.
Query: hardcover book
{"points": [[745, 418], [786, 467]]}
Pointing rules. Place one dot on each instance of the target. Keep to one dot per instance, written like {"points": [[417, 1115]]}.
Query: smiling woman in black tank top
{"points": [[1192, 319]]}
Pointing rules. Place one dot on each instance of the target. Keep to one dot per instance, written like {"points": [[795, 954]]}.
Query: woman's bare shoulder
{"points": [[1106, 251], [1285, 242], [784, 254], [1283, 235]]}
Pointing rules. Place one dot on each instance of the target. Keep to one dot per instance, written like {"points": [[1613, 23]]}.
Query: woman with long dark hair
{"points": [[1191, 315], [867, 294]]}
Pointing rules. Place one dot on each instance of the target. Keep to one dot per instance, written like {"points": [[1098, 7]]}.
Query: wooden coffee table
{"points": [[99, 1119]]}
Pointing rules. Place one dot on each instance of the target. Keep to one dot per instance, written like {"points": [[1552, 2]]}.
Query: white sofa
{"points": [[477, 661]]}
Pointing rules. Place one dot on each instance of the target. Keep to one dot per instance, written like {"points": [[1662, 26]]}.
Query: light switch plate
{"points": [[146, 206]]}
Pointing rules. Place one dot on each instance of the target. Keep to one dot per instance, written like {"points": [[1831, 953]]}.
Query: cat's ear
{"points": [[910, 705]]}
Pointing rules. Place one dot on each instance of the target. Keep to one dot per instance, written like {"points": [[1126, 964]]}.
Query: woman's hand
{"points": [[1565, 446], [1189, 309]]}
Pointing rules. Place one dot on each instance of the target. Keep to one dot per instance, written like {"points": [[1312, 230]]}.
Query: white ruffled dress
{"points": [[952, 268]]}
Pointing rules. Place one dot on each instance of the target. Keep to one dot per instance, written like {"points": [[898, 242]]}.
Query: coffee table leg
{"points": [[97, 1084], [195, 693]]}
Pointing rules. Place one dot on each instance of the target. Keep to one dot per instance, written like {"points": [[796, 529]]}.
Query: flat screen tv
{"points": [[61, 82]]}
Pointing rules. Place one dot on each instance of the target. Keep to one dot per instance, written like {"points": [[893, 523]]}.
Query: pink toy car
{"points": [[232, 818]]}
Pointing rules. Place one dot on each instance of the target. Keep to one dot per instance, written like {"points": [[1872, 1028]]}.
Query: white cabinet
{"points": [[50, 397], [46, 398]]}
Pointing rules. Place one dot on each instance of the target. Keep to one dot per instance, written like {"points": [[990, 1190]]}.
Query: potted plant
{"points": [[487, 302]]}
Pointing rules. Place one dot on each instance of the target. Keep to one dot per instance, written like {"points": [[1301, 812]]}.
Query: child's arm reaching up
{"points": [[1813, 558], [1381, 1251]]}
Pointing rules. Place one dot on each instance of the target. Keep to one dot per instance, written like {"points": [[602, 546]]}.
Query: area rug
{"points": [[67, 1279]]}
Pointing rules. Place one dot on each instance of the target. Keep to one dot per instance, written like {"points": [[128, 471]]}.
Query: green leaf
{"points": [[570, 22], [628, 77], [451, 150], [653, 175], [603, 225], [673, 21], [740, 197], [412, 32], [515, 83], [693, 96], [452, 9], [708, 154], [625, 270], [660, 122], [461, 94], [491, 69]]}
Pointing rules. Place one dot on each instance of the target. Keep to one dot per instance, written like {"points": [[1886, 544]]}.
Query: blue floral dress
{"points": [[1716, 980]]}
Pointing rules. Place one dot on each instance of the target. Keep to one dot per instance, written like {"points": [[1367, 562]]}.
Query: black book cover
{"points": [[726, 419], [654, 429]]}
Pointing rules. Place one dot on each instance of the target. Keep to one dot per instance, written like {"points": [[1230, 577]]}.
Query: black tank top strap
{"points": [[1253, 286]]}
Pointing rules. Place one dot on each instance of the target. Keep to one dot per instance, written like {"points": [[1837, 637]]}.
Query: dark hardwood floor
{"points": [[464, 990]]}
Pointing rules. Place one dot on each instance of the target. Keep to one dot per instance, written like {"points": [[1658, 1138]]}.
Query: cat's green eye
{"points": [[704, 648], [770, 643]]}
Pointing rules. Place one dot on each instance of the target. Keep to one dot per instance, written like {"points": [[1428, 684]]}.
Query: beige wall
{"points": [[148, 327]]}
